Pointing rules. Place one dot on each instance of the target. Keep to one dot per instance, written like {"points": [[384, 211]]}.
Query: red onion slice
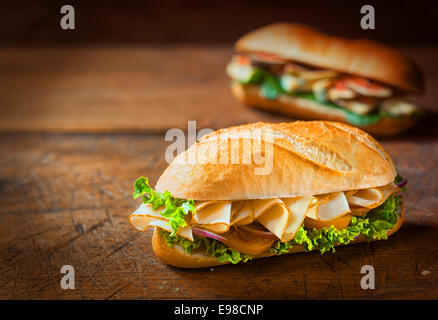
{"points": [[402, 183], [208, 234], [259, 233]]}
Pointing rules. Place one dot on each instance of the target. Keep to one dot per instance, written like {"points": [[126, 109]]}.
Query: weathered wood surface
{"points": [[65, 199], [109, 90], [133, 89]]}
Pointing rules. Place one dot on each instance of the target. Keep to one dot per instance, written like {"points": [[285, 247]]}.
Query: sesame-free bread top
{"points": [[278, 160]]}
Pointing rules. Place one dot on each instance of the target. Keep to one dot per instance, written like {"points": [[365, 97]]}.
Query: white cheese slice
{"points": [[144, 217], [367, 198], [313, 208], [335, 206], [183, 232], [144, 214], [261, 206], [145, 209], [297, 208], [213, 215], [140, 222], [371, 198], [244, 215], [275, 218], [387, 190]]}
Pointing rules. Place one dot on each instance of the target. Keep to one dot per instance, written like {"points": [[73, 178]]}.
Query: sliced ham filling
{"points": [[279, 217]]}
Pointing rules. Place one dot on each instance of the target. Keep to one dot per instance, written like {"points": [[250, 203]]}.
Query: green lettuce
{"points": [[175, 210], [361, 119], [212, 247], [271, 87], [373, 226]]}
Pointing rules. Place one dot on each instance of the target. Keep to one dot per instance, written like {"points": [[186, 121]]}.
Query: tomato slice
{"points": [[340, 85], [242, 60], [367, 87], [365, 83]]}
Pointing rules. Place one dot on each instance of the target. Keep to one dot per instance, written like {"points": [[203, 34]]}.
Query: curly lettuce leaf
{"points": [[187, 245], [279, 247], [223, 253], [374, 226], [175, 210], [212, 247], [149, 195]]}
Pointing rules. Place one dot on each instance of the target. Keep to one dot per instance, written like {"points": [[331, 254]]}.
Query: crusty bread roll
{"points": [[301, 108], [304, 158], [360, 57], [308, 158], [177, 257]]}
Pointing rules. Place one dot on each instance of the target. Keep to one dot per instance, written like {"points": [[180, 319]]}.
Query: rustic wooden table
{"points": [[78, 126]]}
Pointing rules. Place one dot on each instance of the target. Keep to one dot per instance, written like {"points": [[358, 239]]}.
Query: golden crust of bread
{"points": [[359, 57], [177, 257], [306, 109], [301, 158]]}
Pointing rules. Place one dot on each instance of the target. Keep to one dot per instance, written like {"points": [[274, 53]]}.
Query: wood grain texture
{"points": [[66, 200], [65, 197], [116, 90], [132, 89]]}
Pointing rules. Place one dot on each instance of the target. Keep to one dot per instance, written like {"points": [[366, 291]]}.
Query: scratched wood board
{"points": [[86, 89], [66, 192], [66, 200], [116, 90]]}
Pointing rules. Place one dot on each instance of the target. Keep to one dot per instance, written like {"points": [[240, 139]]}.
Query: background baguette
{"points": [[307, 109], [177, 257], [359, 57]]}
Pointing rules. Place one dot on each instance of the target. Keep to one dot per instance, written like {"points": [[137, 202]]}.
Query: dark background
{"points": [[200, 21]]}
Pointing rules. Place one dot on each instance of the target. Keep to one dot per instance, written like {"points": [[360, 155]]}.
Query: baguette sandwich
{"points": [[300, 72], [323, 184]]}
